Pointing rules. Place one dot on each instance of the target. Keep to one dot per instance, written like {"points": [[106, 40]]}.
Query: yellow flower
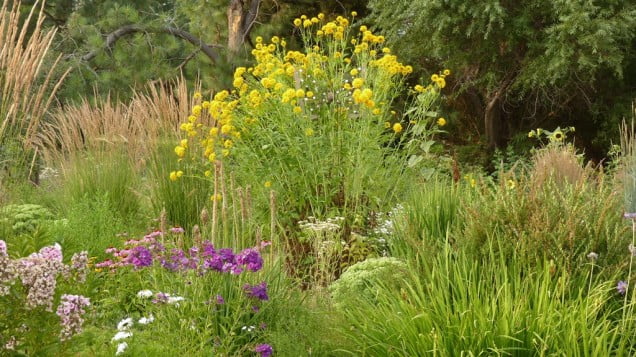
{"points": [[441, 121], [357, 83], [297, 22], [225, 152], [297, 110], [180, 151], [300, 93], [309, 94], [306, 23], [557, 135], [387, 124], [208, 173], [184, 143], [173, 176], [321, 16], [309, 132], [354, 72], [376, 111], [228, 144], [531, 134], [268, 184], [354, 14], [418, 88], [447, 72], [275, 39], [397, 127], [216, 197], [511, 184], [179, 173], [363, 28], [197, 95]]}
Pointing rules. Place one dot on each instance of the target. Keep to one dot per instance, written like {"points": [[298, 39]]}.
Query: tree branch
{"points": [[126, 30]]}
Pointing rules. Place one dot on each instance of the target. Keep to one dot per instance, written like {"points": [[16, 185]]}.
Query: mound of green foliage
{"points": [[23, 218], [362, 280]]}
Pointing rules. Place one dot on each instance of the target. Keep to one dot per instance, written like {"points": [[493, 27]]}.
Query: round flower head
{"points": [[621, 287]]}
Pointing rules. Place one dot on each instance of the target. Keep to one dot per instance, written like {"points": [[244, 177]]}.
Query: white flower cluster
{"points": [[124, 326], [314, 225]]}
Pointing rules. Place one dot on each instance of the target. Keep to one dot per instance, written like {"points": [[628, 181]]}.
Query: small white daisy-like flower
{"points": [[145, 294], [121, 348], [121, 335], [146, 320], [175, 299], [125, 324]]}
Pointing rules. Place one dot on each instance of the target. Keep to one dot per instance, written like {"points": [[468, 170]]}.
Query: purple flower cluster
{"points": [[141, 256], [258, 291], [144, 252], [70, 311], [264, 349]]}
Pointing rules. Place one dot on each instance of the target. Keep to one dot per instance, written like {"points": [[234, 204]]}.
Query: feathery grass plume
{"points": [[27, 86], [560, 164], [139, 124]]}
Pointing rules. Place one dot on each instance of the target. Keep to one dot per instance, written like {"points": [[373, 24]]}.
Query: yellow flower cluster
{"points": [[334, 76]]}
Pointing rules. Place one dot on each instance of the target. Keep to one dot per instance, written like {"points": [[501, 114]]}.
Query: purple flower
{"points": [[227, 255], [141, 257], [208, 249], [264, 349], [214, 263], [177, 230], [3, 247], [220, 300], [251, 258], [161, 298], [621, 287], [258, 291]]}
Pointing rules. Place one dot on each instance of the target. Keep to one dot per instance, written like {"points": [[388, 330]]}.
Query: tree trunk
{"points": [[240, 19], [492, 122]]}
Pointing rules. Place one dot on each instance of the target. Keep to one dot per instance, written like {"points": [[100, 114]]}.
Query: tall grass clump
{"points": [[461, 306], [27, 87], [552, 215], [106, 173], [427, 216]]}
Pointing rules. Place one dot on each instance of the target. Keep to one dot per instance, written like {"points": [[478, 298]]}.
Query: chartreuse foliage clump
{"points": [[24, 218], [363, 280], [320, 126]]}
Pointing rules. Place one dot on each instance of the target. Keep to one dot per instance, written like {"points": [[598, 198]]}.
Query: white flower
{"points": [[175, 299], [121, 335], [125, 324], [121, 348], [145, 294], [146, 320]]}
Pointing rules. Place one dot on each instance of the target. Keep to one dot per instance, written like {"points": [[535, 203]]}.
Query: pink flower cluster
{"points": [[70, 311], [38, 273]]}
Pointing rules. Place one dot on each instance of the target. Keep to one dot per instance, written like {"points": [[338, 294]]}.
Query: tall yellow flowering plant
{"points": [[319, 126]]}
